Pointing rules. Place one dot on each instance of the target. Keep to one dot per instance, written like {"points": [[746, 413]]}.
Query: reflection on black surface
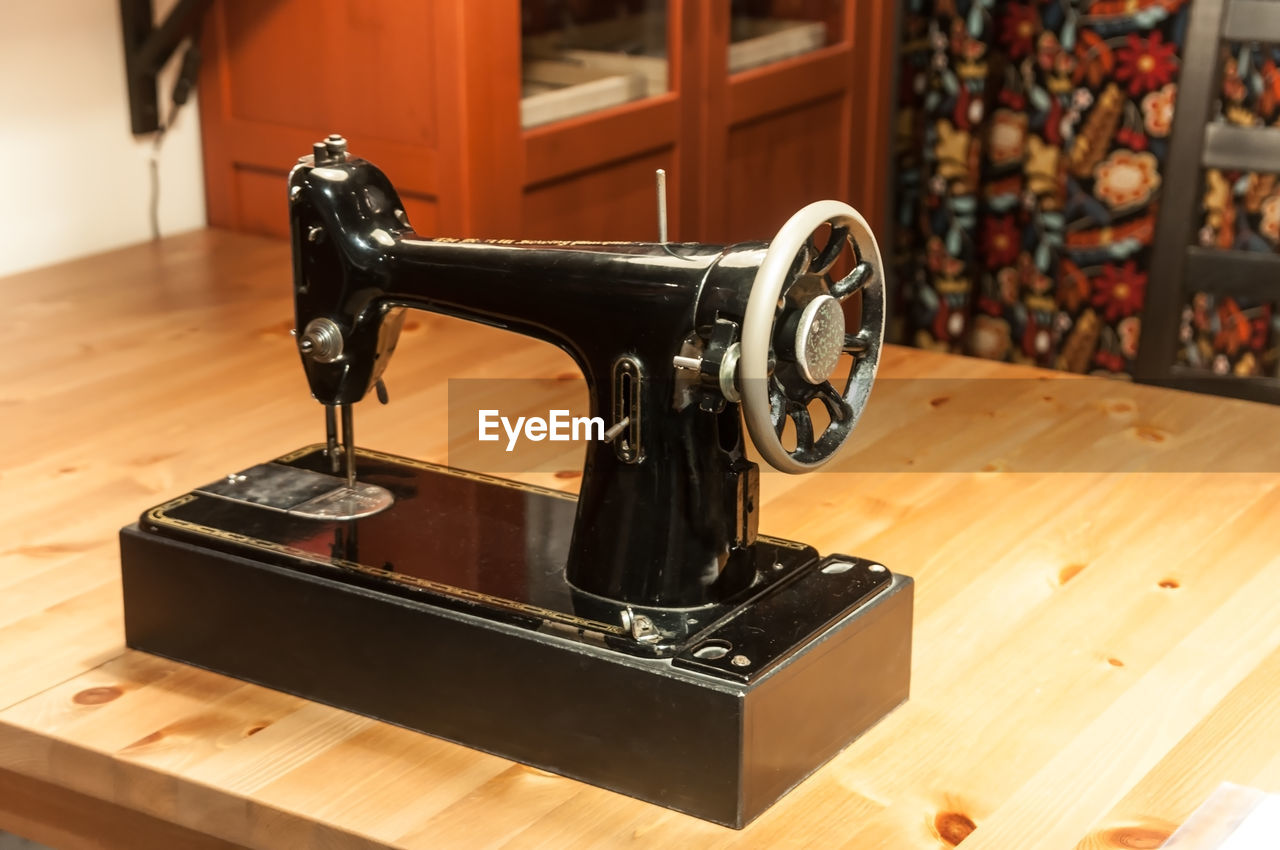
{"points": [[484, 545], [500, 541]]}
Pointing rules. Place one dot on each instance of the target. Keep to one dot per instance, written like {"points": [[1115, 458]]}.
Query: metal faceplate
{"points": [[300, 492]]}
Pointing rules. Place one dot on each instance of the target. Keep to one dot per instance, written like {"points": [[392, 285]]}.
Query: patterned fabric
{"points": [[1239, 336], [1228, 335], [1242, 209], [1029, 147]]}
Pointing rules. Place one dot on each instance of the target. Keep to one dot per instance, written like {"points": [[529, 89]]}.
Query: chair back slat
{"points": [[1242, 148], [1252, 20], [1248, 273], [1179, 267]]}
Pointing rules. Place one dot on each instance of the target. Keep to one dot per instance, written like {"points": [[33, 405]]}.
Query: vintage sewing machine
{"points": [[643, 636]]}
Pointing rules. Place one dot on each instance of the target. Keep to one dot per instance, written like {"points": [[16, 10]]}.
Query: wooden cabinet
{"points": [[430, 90]]}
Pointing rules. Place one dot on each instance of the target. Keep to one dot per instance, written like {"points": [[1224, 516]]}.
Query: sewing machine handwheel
{"points": [[793, 337]]}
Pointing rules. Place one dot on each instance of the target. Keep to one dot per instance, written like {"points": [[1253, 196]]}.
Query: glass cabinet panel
{"points": [[765, 31], [581, 56]]}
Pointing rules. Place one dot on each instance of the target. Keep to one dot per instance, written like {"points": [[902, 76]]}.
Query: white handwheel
{"points": [[804, 336]]}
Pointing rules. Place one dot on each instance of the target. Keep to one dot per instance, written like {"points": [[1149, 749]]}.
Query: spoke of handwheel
{"points": [[837, 408], [777, 410], [852, 282], [804, 428], [803, 261], [834, 247], [857, 344]]}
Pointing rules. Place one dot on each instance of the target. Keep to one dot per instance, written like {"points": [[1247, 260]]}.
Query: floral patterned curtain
{"points": [[1241, 212], [1030, 145]]}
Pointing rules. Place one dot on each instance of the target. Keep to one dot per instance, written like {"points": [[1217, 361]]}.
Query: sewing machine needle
{"points": [[331, 437], [349, 444]]}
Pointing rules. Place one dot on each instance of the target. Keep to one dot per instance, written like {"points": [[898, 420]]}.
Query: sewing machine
{"points": [[643, 636]]}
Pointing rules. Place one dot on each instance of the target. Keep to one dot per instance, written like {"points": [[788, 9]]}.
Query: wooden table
{"points": [[1097, 645]]}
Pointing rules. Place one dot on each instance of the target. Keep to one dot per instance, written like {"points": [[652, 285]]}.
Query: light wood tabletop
{"points": [[1097, 566]]}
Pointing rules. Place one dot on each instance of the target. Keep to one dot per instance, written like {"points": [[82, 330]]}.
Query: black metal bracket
{"points": [[147, 47]]}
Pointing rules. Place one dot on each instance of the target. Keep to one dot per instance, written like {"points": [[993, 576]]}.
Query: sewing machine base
{"points": [[503, 656]]}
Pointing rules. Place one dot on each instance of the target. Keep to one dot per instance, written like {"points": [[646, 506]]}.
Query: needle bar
{"points": [[349, 444], [331, 437]]}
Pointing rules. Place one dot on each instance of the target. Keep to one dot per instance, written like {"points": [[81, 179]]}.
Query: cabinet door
{"points": [[426, 89], [280, 76], [753, 109], [803, 93], [600, 112]]}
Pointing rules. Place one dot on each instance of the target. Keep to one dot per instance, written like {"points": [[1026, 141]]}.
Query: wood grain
{"points": [[59, 818], [1097, 643]]}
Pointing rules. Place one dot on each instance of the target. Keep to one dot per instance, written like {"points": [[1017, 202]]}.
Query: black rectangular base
{"points": [[702, 737]]}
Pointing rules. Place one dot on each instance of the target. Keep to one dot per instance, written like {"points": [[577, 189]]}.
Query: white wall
{"points": [[75, 180]]}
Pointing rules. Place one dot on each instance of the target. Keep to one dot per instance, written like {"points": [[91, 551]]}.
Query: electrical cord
{"points": [[182, 88]]}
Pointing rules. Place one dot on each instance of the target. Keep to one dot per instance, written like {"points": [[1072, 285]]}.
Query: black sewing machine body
{"points": [[642, 636]]}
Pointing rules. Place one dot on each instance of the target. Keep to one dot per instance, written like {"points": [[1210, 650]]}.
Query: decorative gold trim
{"points": [[303, 452], [783, 544], [437, 467], [159, 516]]}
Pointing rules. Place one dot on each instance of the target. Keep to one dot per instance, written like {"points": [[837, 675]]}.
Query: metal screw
{"points": [[331, 151], [777, 565], [740, 661], [336, 145], [877, 568], [641, 627]]}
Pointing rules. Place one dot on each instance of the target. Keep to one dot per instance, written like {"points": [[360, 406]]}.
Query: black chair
{"points": [[1196, 143]]}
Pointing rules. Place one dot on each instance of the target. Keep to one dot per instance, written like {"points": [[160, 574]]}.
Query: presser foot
{"points": [[447, 611]]}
